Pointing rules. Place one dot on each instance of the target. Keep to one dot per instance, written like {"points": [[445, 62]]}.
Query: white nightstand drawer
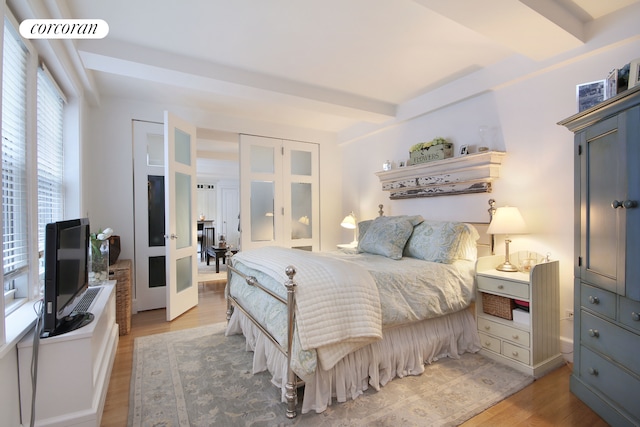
{"points": [[506, 287], [516, 353], [503, 331], [489, 342]]}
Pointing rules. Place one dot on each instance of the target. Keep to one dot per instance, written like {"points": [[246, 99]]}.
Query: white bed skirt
{"points": [[403, 351]]}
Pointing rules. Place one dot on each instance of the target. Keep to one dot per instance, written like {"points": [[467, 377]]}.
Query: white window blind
{"points": [[14, 191], [50, 153]]}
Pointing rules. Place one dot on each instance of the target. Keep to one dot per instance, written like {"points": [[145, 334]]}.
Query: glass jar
{"points": [[98, 263]]}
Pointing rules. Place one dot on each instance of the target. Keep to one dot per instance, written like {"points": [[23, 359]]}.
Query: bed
{"points": [[348, 320]]}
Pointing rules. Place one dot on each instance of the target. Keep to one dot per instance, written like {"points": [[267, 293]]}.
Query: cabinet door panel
{"points": [[604, 170]]}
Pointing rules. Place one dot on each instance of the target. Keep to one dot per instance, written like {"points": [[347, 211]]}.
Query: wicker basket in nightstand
{"points": [[121, 272], [496, 305]]}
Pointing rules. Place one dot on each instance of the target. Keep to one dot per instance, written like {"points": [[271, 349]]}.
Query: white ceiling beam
{"points": [[539, 33], [138, 62]]}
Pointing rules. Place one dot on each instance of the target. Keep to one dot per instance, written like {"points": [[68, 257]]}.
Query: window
{"points": [[14, 161], [50, 154], [32, 110]]}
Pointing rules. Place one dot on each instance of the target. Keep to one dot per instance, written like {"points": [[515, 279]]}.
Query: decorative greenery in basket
{"points": [[422, 145], [436, 149]]}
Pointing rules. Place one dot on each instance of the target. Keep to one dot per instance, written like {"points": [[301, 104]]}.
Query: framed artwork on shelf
{"points": [[590, 94], [634, 73], [612, 84]]}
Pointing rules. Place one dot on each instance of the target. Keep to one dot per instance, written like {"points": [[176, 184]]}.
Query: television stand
{"points": [[76, 365], [75, 320]]}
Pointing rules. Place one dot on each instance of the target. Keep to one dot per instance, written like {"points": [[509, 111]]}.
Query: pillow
{"points": [[363, 226], [443, 241], [387, 235]]}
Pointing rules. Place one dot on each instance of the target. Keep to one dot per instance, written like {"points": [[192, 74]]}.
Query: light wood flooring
{"points": [[546, 402]]}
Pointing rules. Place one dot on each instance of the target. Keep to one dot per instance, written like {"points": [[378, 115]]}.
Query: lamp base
{"points": [[508, 267]]}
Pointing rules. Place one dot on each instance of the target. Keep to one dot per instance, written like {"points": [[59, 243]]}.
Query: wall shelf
{"points": [[472, 173]]}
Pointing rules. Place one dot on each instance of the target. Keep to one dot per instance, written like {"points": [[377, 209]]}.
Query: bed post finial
{"points": [[380, 211], [492, 212], [291, 388], [492, 209]]}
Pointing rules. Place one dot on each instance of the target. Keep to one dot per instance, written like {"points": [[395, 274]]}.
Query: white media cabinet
{"points": [[73, 369]]}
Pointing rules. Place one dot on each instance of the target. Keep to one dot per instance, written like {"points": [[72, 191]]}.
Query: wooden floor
{"points": [[546, 402]]}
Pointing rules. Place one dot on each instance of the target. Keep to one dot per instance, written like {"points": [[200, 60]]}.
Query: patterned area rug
{"points": [[199, 377]]}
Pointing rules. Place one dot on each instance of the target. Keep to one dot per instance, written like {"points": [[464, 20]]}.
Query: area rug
{"points": [[199, 377], [207, 273]]}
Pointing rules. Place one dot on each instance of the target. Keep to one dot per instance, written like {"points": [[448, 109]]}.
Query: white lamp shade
{"points": [[349, 221], [507, 220]]}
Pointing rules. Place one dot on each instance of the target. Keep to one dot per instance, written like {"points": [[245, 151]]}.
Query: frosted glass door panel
{"points": [[184, 221], [155, 150], [262, 214], [184, 267], [301, 163], [301, 211], [262, 159], [183, 147]]}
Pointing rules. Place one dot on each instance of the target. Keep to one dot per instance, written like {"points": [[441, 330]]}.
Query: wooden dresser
{"points": [[606, 338]]}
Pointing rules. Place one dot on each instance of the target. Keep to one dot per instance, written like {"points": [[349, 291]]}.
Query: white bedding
{"points": [[403, 351], [410, 290], [337, 303]]}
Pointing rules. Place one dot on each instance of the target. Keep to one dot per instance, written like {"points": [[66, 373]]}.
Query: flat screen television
{"points": [[65, 275]]}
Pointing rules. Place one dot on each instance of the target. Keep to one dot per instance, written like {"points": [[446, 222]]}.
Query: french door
{"points": [[180, 219], [279, 197], [165, 216]]}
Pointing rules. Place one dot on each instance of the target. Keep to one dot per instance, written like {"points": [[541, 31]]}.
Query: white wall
{"points": [[537, 173]]}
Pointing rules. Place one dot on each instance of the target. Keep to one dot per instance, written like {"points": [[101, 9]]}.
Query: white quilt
{"points": [[337, 303]]}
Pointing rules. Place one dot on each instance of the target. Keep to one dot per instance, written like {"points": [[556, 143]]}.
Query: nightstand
{"points": [[529, 342]]}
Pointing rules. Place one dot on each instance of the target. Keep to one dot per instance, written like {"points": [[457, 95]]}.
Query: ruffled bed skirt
{"points": [[403, 351]]}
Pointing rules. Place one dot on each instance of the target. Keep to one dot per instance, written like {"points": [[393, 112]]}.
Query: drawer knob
{"points": [[594, 333], [635, 316], [594, 300], [514, 353], [593, 371], [487, 344], [500, 286], [487, 327], [515, 337]]}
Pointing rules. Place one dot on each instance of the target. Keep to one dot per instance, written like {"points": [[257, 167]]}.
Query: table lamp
{"points": [[351, 223], [507, 220]]}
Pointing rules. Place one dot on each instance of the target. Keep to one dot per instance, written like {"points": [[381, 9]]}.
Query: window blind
{"points": [[50, 153], [14, 191]]}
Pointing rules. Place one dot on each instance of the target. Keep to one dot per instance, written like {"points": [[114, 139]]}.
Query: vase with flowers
{"points": [[99, 256]]}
